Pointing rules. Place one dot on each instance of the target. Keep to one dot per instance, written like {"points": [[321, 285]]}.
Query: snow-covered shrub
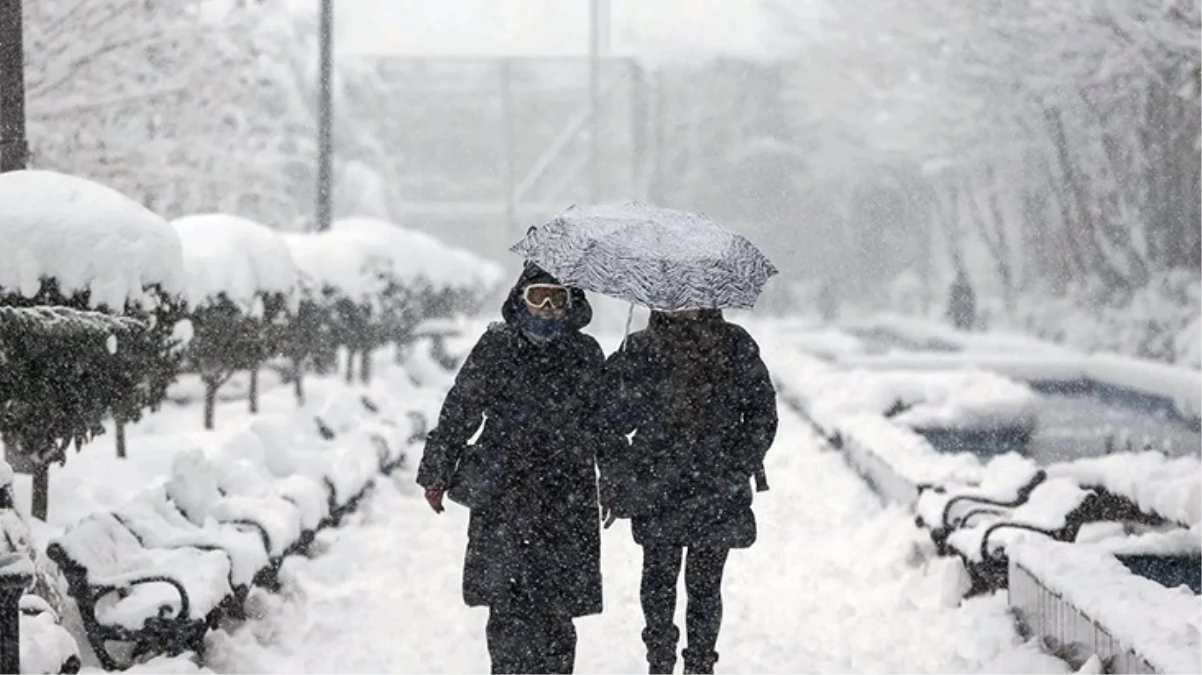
{"points": [[78, 245], [241, 286], [423, 277], [344, 284], [151, 357]]}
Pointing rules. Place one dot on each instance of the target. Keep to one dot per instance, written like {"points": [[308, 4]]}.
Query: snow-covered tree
{"points": [[241, 287]]}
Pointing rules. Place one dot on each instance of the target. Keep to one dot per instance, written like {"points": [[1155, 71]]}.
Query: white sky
{"points": [[546, 27]]}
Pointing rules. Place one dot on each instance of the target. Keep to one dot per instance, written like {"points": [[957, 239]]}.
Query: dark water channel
{"points": [[1073, 425], [1076, 419]]}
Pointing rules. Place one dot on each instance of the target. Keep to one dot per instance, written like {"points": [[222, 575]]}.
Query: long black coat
{"points": [[688, 486], [530, 477]]}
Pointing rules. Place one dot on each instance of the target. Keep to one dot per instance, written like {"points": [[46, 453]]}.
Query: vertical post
{"points": [[638, 132], [510, 146], [14, 149], [40, 502], [13, 581], [655, 187], [594, 93], [325, 118], [12, 586]]}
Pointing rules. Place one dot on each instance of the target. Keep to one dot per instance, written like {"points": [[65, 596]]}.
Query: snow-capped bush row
{"points": [[209, 294]]}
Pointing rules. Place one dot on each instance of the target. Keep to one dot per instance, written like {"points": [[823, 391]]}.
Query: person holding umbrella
{"points": [[691, 394], [530, 479], [700, 404]]}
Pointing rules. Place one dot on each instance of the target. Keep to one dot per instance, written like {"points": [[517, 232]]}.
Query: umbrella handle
{"points": [[629, 320]]}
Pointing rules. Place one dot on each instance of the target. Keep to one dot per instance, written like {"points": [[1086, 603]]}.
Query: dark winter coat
{"points": [[530, 477], [703, 413]]}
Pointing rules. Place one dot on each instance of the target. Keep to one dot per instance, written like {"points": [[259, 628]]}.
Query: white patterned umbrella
{"points": [[652, 256]]}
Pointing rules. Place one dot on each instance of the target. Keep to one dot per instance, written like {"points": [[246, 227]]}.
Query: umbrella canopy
{"points": [[661, 258]]}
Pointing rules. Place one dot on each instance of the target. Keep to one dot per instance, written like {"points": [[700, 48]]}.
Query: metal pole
{"points": [[325, 120], [507, 132], [15, 578], [594, 74], [638, 132], [14, 149]]}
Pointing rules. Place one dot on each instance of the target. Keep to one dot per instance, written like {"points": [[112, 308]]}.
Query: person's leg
{"points": [[560, 647], [661, 568], [512, 640], [703, 616]]}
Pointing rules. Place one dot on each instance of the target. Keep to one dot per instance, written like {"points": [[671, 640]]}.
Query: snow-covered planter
{"points": [[72, 243], [1083, 593], [961, 400], [241, 286]]}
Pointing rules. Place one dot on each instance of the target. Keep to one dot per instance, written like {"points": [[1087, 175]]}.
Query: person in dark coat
{"points": [[700, 404], [962, 302], [533, 553]]}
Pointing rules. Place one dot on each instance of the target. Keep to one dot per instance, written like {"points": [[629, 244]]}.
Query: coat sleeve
{"points": [[757, 401], [462, 412], [619, 398]]}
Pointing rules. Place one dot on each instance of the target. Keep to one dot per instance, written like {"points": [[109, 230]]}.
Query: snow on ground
{"points": [[834, 584]]}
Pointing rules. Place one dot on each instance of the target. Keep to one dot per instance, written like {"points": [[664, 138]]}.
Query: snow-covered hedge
{"points": [[91, 239], [348, 295], [73, 243], [450, 280], [241, 284]]}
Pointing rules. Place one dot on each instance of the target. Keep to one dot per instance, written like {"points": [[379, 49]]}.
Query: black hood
{"points": [[579, 315]]}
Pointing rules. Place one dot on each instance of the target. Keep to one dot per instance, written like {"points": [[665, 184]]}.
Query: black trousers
{"points": [[529, 641], [703, 613]]}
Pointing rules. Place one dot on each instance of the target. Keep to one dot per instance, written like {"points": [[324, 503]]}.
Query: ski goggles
{"points": [[548, 295]]}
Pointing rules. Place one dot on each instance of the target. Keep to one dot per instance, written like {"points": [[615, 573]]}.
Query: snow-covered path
{"points": [[833, 585]]}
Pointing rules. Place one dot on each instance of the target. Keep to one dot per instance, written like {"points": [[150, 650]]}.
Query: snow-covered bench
{"points": [[1007, 483], [46, 647], [1056, 508], [156, 599], [238, 493], [158, 523], [979, 523]]}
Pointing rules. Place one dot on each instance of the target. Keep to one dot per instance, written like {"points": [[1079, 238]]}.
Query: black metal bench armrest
{"points": [[262, 531], [1020, 498], [984, 510], [102, 587], [988, 556]]}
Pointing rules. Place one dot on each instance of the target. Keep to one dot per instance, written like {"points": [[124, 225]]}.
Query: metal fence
{"points": [[488, 146], [507, 140]]}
